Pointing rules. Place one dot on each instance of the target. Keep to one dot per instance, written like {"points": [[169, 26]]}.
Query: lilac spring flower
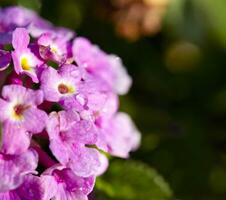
{"points": [[120, 135], [53, 47], [19, 108], [61, 183], [20, 116], [69, 136], [61, 84], [106, 67], [23, 59], [72, 106]]}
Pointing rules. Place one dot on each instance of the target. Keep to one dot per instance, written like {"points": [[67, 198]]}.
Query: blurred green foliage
{"points": [[178, 99], [128, 180]]}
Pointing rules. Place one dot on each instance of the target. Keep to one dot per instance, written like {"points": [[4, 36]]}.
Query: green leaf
{"points": [[32, 4], [130, 180], [215, 15]]}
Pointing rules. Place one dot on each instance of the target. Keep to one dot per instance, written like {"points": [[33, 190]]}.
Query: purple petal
{"points": [[14, 168], [31, 189], [88, 55], [49, 79], [22, 94], [5, 59], [34, 62], [84, 161], [50, 186], [17, 16], [60, 151], [122, 136], [84, 131], [12, 92], [63, 194], [34, 120], [66, 33], [68, 119], [20, 39], [11, 195], [70, 71], [15, 140], [122, 81], [52, 126], [4, 112], [62, 184], [104, 163], [5, 38], [73, 182]]}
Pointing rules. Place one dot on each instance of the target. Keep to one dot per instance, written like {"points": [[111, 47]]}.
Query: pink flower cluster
{"points": [[58, 110]]}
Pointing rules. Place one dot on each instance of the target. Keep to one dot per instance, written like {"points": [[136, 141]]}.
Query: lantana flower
{"points": [[60, 84], [23, 59], [53, 47], [61, 183], [107, 68], [69, 136], [19, 108], [60, 121]]}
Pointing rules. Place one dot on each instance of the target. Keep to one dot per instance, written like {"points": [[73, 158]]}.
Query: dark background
{"points": [[178, 97]]}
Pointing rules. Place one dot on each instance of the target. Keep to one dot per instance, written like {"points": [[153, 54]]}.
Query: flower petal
{"points": [[84, 161], [34, 120], [14, 168], [22, 94], [15, 140], [10, 195], [20, 39], [5, 59], [31, 189]]}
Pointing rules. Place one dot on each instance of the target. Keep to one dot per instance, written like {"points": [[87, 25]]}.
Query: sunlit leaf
{"points": [[132, 180]]}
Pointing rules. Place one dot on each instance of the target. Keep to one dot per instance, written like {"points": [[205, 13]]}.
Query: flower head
{"points": [[19, 108], [53, 47], [62, 117], [61, 84]]}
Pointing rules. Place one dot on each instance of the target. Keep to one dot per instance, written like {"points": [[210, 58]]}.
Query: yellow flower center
{"points": [[25, 64], [54, 49], [18, 111], [65, 89]]}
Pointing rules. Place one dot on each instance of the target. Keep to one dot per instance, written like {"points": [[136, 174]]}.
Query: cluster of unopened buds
{"points": [[58, 110]]}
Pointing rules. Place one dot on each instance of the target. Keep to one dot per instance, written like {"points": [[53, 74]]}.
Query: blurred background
{"points": [[175, 50]]}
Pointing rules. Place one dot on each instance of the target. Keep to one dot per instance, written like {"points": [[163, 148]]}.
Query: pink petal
{"points": [[34, 120], [10, 195], [20, 39], [14, 168], [31, 189], [84, 161], [22, 94], [15, 140]]}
